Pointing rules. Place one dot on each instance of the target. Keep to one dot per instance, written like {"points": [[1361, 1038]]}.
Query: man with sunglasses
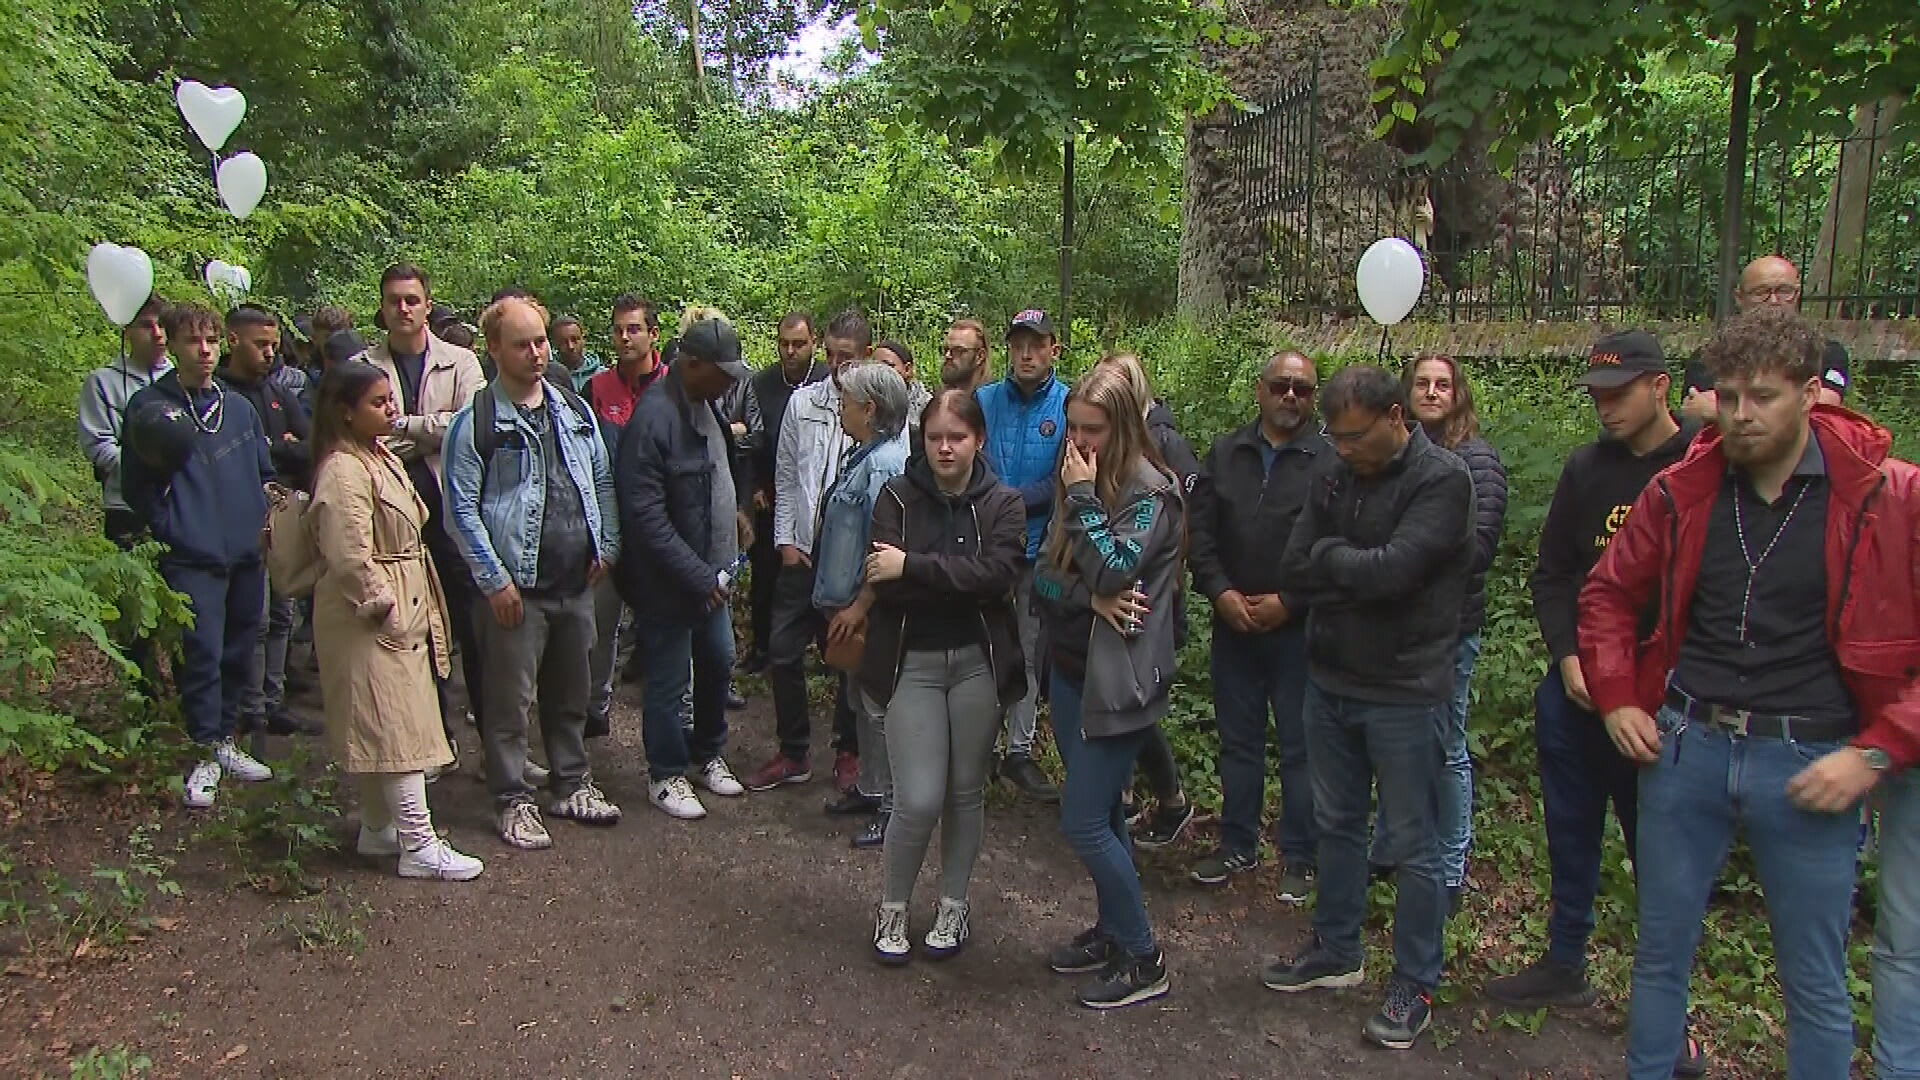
{"points": [[1249, 491], [1381, 555]]}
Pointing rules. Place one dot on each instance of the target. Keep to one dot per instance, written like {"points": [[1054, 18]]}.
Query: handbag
{"points": [[292, 556]]}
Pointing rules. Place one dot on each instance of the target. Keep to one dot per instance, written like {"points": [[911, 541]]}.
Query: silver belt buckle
{"points": [[1734, 720]]}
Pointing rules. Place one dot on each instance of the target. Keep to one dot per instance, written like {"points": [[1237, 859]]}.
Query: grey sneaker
{"points": [[1312, 967], [521, 827], [890, 944], [949, 931], [1216, 868], [586, 805], [1407, 1012]]}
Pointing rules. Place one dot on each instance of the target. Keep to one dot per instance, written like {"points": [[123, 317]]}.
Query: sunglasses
{"points": [[1299, 388]]}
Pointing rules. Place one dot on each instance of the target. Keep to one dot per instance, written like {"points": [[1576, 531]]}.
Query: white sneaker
{"points": [[717, 778], [240, 763], [890, 944], [587, 805], [439, 862], [378, 843], [520, 826], [949, 929], [676, 797], [203, 783]]}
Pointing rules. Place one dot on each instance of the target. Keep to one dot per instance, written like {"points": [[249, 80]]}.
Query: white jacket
{"points": [[806, 463]]}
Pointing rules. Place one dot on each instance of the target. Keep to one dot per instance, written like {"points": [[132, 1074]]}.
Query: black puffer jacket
{"points": [[1489, 521], [1385, 561]]}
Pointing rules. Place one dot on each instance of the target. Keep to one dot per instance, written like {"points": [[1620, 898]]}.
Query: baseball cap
{"points": [[1833, 367], [1618, 359], [1032, 319], [715, 341]]}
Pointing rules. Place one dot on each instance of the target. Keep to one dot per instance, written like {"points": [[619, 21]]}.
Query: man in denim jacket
{"points": [[535, 523]]}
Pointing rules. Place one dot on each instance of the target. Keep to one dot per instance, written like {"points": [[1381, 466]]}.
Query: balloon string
{"points": [[1384, 331]]}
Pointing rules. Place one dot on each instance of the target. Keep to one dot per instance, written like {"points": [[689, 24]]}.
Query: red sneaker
{"points": [[846, 770], [781, 770]]}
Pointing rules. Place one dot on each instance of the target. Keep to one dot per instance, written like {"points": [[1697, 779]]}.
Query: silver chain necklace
{"points": [[208, 421], [1746, 553]]}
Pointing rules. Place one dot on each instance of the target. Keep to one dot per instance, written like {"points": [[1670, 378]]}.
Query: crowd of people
{"points": [[1728, 595]]}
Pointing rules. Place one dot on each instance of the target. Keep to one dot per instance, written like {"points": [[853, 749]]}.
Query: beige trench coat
{"points": [[379, 620]]}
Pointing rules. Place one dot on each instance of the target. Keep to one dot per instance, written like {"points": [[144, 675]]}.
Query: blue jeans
{"points": [[1581, 772], [1896, 939], [1351, 744], [1098, 771], [668, 645], [1252, 675], [1456, 779], [216, 661], [1706, 783]]}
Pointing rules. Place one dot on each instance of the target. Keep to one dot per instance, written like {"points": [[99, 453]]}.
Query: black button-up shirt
{"points": [[1757, 638]]}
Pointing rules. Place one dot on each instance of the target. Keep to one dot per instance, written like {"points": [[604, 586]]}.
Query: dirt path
{"points": [[736, 946]]}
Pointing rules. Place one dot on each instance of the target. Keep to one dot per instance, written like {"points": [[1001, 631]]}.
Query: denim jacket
{"points": [[846, 521], [498, 530]]}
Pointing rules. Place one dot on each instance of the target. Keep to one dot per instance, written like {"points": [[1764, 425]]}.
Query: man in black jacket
{"points": [[771, 388], [1250, 491], [1580, 771], [253, 345], [683, 526], [1382, 551]]}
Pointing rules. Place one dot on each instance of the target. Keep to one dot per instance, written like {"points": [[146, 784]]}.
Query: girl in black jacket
{"points": [[942, 657]]}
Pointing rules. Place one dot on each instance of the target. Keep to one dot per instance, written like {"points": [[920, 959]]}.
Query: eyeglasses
{"points": [[958, 350], [1774, 293], [1299, 388], [1343, 438]]}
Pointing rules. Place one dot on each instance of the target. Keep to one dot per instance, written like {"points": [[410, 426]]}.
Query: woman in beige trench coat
{"points": [[379, 623]]}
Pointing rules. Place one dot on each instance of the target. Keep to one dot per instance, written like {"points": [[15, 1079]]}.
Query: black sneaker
{"points": [[1023, 773], [850, 803], [871, 835], [1090, 950], [1544, 985], [1162, 827], [1407, 1012], [1296, 884], [1129, 980], [1313, 967], [1223, 864], [1693, 1060]]}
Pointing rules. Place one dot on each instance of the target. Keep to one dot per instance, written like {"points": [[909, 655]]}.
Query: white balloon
{"points": [[242, 180], [1390, 277], [121, 279], [227, 281], [211, 111]]}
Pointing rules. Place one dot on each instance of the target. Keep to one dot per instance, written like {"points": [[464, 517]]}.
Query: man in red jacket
{"points": [[1780, 684]]}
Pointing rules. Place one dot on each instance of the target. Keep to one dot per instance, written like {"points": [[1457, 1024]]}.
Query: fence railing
{"points": [[1569, 236]]}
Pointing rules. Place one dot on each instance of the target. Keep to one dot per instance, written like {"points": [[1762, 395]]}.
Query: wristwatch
{"points": [[1877, 759]]}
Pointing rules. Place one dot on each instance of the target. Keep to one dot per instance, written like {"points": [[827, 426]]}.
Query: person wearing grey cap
{"points": [[1580, 772], [684, 524]]}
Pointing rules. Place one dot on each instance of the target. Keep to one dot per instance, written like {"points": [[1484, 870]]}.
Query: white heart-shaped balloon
{"points": [[121, 279], [213, 112], [227, 281], [242, 180], [1390, 276]]}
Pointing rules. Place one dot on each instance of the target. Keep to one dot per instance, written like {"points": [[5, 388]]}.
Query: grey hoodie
{"points": [[103, 405], [1125, 679]]}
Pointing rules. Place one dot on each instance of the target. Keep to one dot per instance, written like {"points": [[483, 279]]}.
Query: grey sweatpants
{"points": [[547, 654], [940, 728]]}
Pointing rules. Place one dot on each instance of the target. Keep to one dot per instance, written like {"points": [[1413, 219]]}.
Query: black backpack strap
{"points": [[485, 438]]}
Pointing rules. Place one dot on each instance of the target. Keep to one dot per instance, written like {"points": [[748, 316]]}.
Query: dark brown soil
{"points": [[737, 946]]}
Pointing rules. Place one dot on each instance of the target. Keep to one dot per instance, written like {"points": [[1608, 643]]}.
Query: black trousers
{"points": [[765, 560], [797, 624]]}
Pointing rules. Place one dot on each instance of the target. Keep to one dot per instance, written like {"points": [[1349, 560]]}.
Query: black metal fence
{"points": [[1568, 236]]}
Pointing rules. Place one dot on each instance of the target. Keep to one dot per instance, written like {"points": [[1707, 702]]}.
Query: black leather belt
{"points": [[1755, 724]]}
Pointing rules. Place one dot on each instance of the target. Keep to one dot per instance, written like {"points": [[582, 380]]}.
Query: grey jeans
{"points": [[606, 647], [1022, 719], [266, 692], [940, 728], [545, 655]]}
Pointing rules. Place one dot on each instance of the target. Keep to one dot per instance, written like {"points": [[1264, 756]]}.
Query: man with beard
{"points": [[1249, 491], [966, 360], [570, 354], [1777, 686]]}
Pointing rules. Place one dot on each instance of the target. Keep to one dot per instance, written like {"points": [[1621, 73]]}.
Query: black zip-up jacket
{"points": [[771, 391], [663, 485], [1598, 486], [1384, 561], [963, 551], [1489, 521], [1239, 512], [1174, 448], [281, 414]]}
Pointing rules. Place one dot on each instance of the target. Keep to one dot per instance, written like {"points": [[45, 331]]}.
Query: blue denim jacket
{"points": [[846, 521], [498, 530]]}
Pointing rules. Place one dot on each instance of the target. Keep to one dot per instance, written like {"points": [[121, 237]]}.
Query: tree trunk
{"points": [[1734, 197], [1065, 321], [696, 53], [1836, 261]]}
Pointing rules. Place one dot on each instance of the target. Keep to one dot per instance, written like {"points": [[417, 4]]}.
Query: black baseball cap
{"points": [[715, 341], [1833, 367], [1618, 359], [1032, 319]]}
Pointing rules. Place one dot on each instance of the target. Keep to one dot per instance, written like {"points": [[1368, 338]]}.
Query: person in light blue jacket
{"points": [[529, 498], [873, 412], [1026, 426]]}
